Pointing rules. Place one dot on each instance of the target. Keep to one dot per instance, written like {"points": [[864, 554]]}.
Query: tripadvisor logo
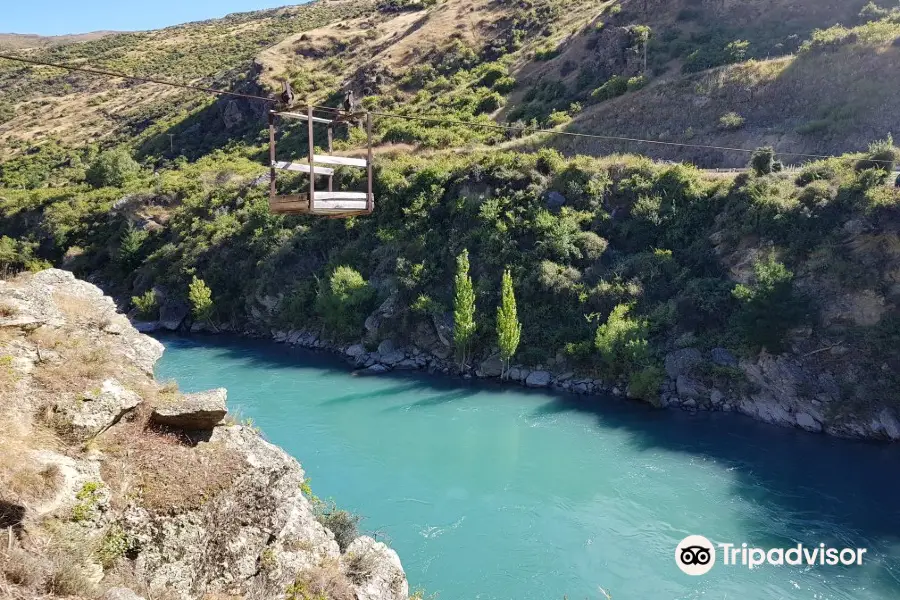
{"points": [[696, 555]]}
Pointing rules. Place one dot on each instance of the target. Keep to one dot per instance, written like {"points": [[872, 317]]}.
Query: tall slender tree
{"points": [[509, 329], [463, 310]]}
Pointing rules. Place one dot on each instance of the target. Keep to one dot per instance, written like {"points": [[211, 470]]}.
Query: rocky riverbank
{"points": [[780, 390], [794, 389], [114, 486]]}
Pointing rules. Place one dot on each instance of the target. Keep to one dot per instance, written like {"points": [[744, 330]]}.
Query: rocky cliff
{"points": [[114, 486]]}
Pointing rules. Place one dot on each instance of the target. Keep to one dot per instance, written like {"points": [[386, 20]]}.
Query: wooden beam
{"points": [[301, 168], [340, 160], [271, 154], [370, 198], [303, 117], [312, 151]]}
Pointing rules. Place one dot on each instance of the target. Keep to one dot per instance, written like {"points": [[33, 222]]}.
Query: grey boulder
{"points": [[680, 362], [538, 379], [723, 357], [120, 593], [492, 367], [193, 412]]}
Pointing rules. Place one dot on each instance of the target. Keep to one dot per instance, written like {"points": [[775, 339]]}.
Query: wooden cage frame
{"points": [[319, 202]]}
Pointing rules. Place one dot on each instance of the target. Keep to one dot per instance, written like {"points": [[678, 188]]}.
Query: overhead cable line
{"points": [[436, 120], [135, 78], [439, 120]]}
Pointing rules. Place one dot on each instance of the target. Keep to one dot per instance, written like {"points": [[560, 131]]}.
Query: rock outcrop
{"points": [[99, 409], [193, 412], [131, 494]]}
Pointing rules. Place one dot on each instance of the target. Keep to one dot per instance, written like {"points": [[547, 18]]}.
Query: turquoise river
{"points": [[499, 493]]}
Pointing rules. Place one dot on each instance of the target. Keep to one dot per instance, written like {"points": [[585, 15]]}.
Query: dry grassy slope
{"points": [[820, 102], [76, 109], [390, 44], [17, 41], [331, 44]]}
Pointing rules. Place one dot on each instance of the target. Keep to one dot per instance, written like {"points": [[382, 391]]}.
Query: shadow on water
{"points": [[368, 395], [830, 485]]}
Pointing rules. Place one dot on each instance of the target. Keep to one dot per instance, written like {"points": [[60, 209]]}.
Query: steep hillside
{"points": [[44, 105], [839, 92], [540, 63]]}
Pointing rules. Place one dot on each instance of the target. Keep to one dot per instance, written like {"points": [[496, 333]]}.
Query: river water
{"points": [[499, 493]]}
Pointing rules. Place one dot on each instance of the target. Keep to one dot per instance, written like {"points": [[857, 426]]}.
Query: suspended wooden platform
{"points": [[320, 202]]}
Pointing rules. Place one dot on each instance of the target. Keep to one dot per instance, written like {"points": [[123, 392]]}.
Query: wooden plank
{"points": [[340, 196], [340, 205], [289, 210], [289, 203], [340, 160], [303, 117], [298, 204], [330, 150], [302, 168], [290, 198]]}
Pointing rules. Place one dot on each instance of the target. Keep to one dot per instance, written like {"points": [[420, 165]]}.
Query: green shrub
{"points": [[113, 168], [390, 6], [488, 103], [114, 545], [344, 302], [591, 245], [731, 121], [827, 170], [882, 155], [7, 112], [872, 12], [88, 497], [16, 255], [343, 524], [646, 383], [147, 306], [736, 51], [550, 161], [558, 118], [768, 307], [615, 86], [622, 343], [762, 162], [636, 83], [546, 52], [504, 85], [714, 53]]}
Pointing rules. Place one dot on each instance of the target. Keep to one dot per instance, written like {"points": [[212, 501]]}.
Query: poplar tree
{"points": [[200, 297], [463, 310], [509, 329]]}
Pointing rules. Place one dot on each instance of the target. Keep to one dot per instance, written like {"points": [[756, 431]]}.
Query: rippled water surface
{"points": [[499, 493]]}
